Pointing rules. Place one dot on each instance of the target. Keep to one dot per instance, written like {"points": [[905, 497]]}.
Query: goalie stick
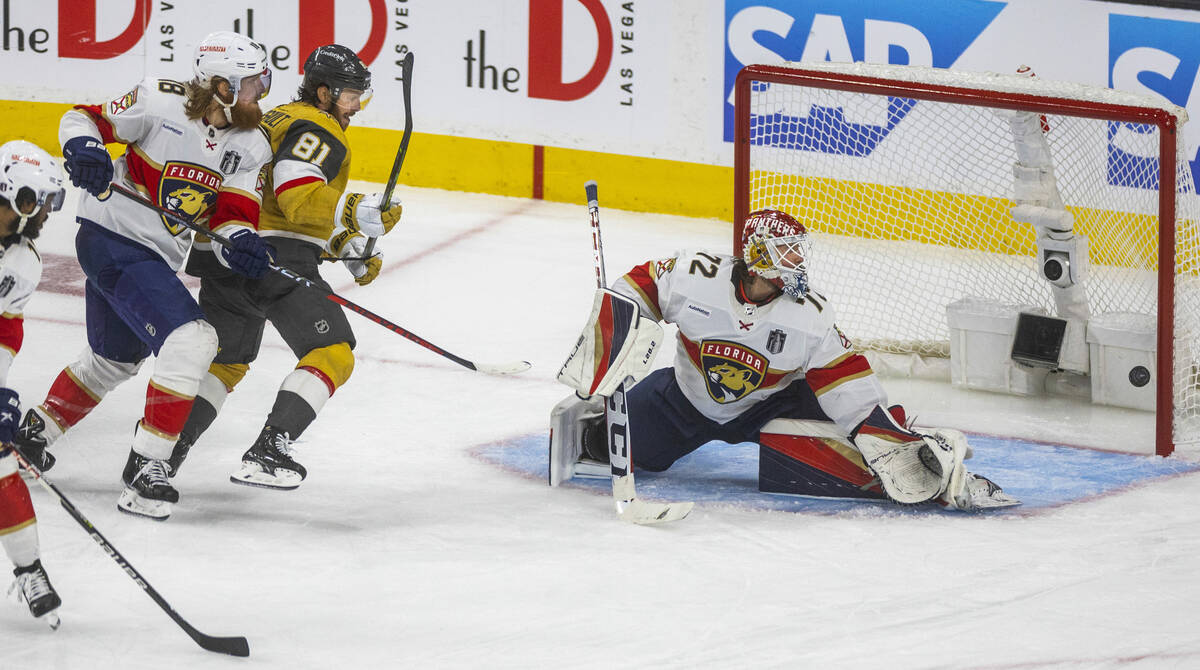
{"points": [[406, 66], [493, 369], [629, 506], [234, 646]]}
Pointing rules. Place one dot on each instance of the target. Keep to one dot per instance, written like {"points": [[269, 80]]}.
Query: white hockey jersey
{"points": [[203, 174], [732, 355], [20, 273]]}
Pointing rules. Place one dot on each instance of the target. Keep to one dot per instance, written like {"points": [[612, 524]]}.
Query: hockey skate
{"points": [[178, 454], [269, 463], [33, 587], [980, 493], [32, 443], [148, 491], [578, 444]]}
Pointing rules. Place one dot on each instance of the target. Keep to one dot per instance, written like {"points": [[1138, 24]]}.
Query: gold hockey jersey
{"points": [[309, 170]]}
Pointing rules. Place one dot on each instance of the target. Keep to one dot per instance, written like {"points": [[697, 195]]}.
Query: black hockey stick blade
{"points": [[233, 646]]}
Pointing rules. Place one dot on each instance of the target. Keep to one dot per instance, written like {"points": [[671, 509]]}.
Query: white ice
{"points": [[403, 550]]}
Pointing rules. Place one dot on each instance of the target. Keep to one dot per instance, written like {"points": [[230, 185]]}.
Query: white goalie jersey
{"points": [[732, 355], [203, 174]]}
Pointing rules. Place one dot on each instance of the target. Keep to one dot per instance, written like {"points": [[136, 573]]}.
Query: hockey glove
{"points": [[247, 254], [362, 213], [353, 245], [912, 467], [88, 164], [10, 415]]}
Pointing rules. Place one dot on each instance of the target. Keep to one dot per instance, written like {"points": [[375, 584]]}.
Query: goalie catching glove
{"points": [[916, 467], [364, 213], [351, 245], [617, 343]]}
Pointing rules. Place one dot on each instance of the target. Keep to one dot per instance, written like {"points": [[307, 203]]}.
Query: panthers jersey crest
{"points": [[187, 190], [731, 370]]}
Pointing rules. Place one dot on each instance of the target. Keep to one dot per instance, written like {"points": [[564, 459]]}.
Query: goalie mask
{"points": [[29, 180], [776, 247]]}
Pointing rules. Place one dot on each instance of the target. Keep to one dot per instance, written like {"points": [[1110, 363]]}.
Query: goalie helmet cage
{"points": [[908, 178]]}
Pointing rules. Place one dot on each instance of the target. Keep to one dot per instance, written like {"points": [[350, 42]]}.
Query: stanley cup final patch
{"points": [[731, 371], [776, 340], [230, 162]]}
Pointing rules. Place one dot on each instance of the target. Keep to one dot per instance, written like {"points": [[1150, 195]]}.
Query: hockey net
{"points": [[907, 178]]}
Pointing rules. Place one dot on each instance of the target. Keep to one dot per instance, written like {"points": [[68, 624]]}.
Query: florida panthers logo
{"points": [[188, 191], [731, 371]]}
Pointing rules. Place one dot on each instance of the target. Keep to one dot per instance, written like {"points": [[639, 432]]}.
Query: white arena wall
{"points": [[532, 97]]}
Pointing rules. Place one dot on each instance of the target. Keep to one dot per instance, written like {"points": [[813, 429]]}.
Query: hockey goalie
{"points": [[756, 343]]}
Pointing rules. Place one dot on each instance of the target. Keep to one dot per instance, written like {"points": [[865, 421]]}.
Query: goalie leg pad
{"points": [[568, 421], [616, 343]]}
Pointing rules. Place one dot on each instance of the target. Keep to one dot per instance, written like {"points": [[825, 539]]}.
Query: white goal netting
{"points": [[908, 178]]}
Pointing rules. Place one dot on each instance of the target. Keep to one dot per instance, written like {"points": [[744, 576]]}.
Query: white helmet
{"points": [[232, 57], [25, 167]]}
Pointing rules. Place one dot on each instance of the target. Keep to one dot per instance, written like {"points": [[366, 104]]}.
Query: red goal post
{"points": [[911, 169]]}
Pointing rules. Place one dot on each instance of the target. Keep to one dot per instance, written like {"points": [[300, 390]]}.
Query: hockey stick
{"points": [[406, 66], [629, 506], [498, 369], [234, 646]]}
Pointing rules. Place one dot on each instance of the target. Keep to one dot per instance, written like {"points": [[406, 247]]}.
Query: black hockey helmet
{"points": [[337, 67]]}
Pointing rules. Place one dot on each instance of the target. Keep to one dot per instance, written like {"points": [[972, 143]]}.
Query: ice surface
{"points": [[404, 548]]}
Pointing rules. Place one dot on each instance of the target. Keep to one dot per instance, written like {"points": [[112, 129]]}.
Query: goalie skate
{"points": [[32, 587], [148, 492], [269, 464], [980, 493]]}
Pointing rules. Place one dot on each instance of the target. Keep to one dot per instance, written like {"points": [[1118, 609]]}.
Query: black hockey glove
{"points": [[10, 415], [247, 254], [88, 164]]}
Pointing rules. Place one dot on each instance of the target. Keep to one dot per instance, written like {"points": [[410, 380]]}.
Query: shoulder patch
{"points": [[123, 103], [662, 267]]}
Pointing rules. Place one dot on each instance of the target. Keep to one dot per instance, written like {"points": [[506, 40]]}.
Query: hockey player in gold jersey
{"points": [[305, 214]]}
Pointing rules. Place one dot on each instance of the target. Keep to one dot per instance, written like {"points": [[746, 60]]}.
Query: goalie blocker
{"points": [[616, 343]]}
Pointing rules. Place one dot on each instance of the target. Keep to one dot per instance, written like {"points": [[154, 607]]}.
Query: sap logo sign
{"points": [[1161, 58], [932, 33]]}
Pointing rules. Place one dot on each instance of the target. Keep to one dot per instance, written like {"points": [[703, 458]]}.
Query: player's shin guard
{"points": [[80, 387], [182, 360], [75, 392], [301, 396], [205, 407], [18, 524]]}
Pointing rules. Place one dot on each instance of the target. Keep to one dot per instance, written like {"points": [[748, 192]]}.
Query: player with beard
{"points": [[31, 187], [306, 213], [192, 148]]}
